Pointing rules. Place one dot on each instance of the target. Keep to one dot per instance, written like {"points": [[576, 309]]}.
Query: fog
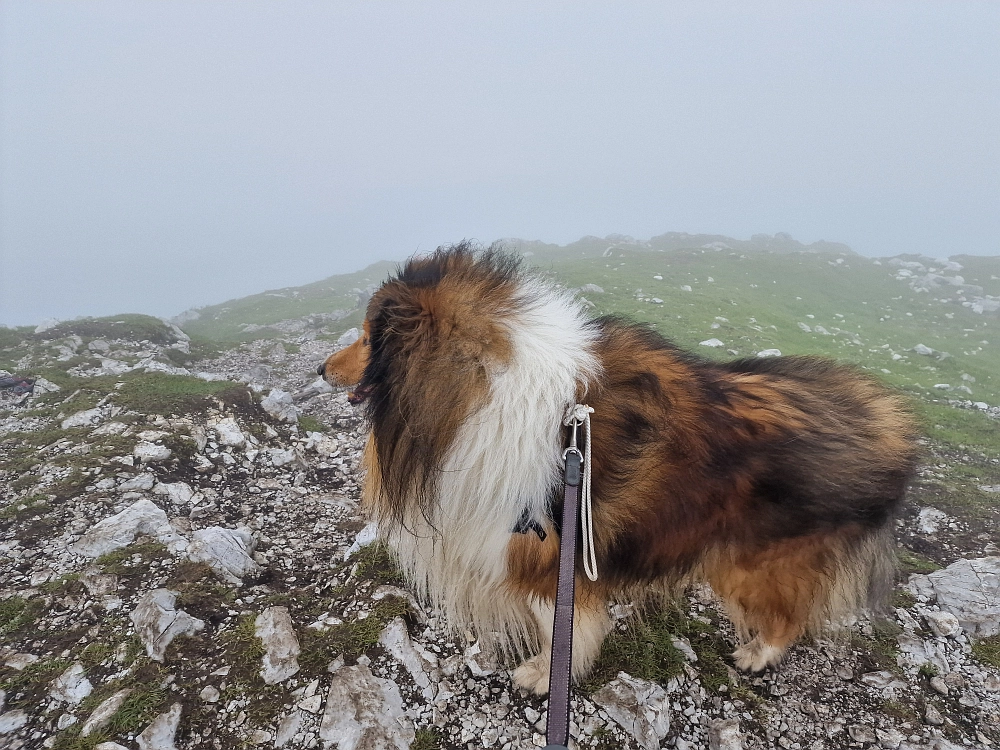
{"points": [[160, 155]]}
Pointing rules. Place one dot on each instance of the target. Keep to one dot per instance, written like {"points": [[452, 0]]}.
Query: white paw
{"points": [[533, 674], [756, 656]]}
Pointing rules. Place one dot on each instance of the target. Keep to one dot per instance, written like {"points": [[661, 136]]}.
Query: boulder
{"points": [[229, 433], [71, 686], [967, 589], [151, 453], [279, 405], [157, 622], [85, 418], [364, 712], [103, 713], [121, 529], [12, 721], [418, 661], [159, 735], [640, 707], [227, 551], [281, 648]]}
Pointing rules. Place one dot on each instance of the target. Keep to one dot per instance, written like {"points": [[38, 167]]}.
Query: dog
{"points": [[774, 480]]}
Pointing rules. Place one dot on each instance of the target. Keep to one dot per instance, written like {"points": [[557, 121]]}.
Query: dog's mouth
{"points": [[359, 395]]}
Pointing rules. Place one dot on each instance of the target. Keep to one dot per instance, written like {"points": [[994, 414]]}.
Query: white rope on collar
{"points": [[580, 415]]}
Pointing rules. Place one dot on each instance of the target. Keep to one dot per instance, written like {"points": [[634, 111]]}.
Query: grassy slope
{"points": [[224, 322], [762, 289]]}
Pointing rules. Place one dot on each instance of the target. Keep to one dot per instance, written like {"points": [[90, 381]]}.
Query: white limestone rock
{"points": [[929, 520], [103, 713], [366, 536], [12, 721], [364, 712], [281, 647], [714, 343], [769, 353], [151, 453], [724, 734], [968, 589], [418, 661], [229, 433], [138, 483], [157, 622], [159, 735], [179, 493], [288, 727], [640, 707], [121, 529], [86, 418], [229, 552], [279, 405], [71, 686], [944, 624]]}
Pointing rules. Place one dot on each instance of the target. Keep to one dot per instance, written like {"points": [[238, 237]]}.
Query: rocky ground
{"points": [[183, 565]]}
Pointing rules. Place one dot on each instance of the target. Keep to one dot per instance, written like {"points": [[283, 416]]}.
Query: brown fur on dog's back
{"points": [[772, 478]]}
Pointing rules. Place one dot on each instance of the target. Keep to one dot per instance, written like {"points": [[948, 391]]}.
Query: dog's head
{"points": [[346, 366], [432, 335]]}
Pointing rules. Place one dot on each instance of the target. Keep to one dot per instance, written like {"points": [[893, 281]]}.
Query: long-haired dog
{"points": [[775, 480]]}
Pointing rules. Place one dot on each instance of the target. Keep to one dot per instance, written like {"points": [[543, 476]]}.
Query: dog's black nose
{"points": [[321, 370]]}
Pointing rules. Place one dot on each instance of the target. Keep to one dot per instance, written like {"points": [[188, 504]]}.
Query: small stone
{"points": [[640, 707], [19, 661], [110, 746], [943, 624], [939, 685], [209, 694], [725, 735], [932, 716]]}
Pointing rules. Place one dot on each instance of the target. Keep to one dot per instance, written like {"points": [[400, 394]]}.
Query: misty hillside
{"points": [[183, 563]]}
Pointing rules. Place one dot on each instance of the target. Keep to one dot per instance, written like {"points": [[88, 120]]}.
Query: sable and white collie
{"points": [[775, 480]]}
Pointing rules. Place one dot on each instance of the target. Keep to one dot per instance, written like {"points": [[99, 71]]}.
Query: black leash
{"points": [[561, 667]]}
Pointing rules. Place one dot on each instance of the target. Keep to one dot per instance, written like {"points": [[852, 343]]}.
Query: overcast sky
{"points": [[161, 155]]}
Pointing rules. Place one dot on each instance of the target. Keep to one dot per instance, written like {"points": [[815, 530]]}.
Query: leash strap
{"points": [[560, 671]]}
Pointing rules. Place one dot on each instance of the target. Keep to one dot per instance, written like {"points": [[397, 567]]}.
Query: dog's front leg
{"points": [[590, 625]]}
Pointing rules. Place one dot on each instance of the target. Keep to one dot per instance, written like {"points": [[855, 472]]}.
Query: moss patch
{"points": [[17, 613], [308, 423]]}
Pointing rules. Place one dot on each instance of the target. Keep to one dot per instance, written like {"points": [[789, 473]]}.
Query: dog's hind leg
{"points": [[772, 595], [590, 626]]}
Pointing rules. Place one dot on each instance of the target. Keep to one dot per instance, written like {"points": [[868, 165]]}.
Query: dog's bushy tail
{"points": [[862, 579]]}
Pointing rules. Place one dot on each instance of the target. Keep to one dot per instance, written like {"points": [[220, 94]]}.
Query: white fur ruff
{"points": [[505, 458]]}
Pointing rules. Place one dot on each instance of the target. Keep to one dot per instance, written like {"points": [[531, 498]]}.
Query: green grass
{"points": [[130, 327], [17, 613], [224, 322], [376, 563], [426, 739], [644, 650], [987, 650], [308, 423], [350, 639], [121, 562]]}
